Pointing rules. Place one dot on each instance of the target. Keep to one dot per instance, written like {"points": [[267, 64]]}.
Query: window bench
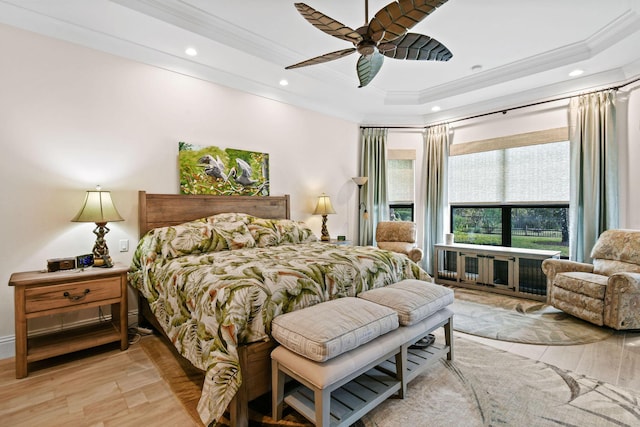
{"points": [[504, 270]]}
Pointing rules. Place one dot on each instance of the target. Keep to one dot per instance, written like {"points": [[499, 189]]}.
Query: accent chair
{"points": [[399, 236], [606, 292]]}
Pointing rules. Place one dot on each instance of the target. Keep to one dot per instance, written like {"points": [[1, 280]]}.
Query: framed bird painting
{"points": [[222, 171]]}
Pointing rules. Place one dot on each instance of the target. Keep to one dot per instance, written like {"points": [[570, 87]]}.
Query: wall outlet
{"points": [[124, 245]]}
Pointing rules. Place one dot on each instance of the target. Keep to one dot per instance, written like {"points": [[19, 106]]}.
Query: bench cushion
{"points": [[324, 375], [413, 299], [331, 328]]}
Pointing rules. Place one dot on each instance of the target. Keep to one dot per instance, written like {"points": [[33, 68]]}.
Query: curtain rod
{"points": [[392, 127], [504, 110]]}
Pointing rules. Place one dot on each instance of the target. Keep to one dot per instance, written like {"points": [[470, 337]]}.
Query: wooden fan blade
{"points": [[417, 47], [396, 18], [368, 67], [323, 58], [327, 24]]}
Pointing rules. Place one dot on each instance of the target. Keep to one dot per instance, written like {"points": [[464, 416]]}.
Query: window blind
{"points": [[525, 174], [400, 179]]}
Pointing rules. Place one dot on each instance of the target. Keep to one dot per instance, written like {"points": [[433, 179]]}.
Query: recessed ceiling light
{"points": [[576, 72], [284, 82], [476, 68], [435, 108], [191, 51]]}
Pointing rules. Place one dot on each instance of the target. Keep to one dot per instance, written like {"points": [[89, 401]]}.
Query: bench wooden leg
{"points": [[401, 370], [448, 337], [277, 391], [322, 399]]}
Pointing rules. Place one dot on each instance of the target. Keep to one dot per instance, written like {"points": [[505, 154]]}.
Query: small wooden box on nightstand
{"points": [[39, 294]]}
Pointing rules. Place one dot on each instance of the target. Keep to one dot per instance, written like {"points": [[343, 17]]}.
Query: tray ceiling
{"points": [[505, 53]]}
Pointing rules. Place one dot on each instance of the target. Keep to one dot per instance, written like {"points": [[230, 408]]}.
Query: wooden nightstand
{"points": [[40, 294]]}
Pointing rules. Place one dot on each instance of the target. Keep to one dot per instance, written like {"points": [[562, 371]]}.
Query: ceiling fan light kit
{"points": [[385, 35]]}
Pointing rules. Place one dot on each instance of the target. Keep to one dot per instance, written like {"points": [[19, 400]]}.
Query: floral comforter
{"points": [[217, 282]]}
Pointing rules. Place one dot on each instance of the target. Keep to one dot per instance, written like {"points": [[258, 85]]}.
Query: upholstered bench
{"points": [[346, 362], [416, 301], [328, 345]]}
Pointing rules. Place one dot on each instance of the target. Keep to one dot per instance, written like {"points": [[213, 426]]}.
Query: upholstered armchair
{"points": [[606, 292], [398, 236]]}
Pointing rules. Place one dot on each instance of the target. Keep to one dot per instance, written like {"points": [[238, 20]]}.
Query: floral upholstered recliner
{"points": [[606, 292], [398, 236]]}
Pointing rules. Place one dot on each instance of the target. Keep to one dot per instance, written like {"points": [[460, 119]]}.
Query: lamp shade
{"points": [[360, 180], [98, 207], [324, 206]]}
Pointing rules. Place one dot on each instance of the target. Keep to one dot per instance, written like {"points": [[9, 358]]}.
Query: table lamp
{"points": [[324, 208], [99, 208]]}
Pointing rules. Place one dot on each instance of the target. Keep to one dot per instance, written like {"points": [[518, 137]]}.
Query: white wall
{"points": [[545, 116], [72, 117]]}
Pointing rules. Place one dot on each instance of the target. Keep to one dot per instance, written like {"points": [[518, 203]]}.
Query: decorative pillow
{"points": [[264, 231], [188, 238], [236, 234], [294, 232], [331, 328], [228, 217], [147, 251], [414, 300]]}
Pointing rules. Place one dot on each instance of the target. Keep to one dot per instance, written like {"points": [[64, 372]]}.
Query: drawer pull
{"points": [[76, 297]]}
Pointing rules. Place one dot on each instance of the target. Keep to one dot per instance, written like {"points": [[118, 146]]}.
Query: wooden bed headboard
{"points": [[161, 210]]}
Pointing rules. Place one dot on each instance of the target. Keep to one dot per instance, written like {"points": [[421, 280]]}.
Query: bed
{"points": [[212, 271]]}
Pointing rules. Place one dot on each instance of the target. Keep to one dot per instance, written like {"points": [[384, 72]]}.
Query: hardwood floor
{"points": [[107, 387], [101, 387]]}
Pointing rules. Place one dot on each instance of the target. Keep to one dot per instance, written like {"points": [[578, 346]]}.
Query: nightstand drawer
{"points": [[70, 294]]}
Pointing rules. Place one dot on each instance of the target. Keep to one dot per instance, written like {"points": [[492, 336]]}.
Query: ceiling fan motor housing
{"points": [[366, 47]]}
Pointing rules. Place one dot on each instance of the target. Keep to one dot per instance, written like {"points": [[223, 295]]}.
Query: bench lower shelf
{"points": [[359, 396], [349, 402], [418, 359]]}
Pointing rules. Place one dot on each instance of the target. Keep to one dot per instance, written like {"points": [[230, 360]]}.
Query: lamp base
{"points": [[101, 256], [324, 232], [104, 262]]}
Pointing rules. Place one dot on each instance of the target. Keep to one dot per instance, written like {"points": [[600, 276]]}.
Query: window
{"points": [[401, 211], [517, 195], [401, 184], [543, 227]]}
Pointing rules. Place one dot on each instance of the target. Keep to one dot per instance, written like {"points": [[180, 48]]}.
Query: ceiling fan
{"points": [[385, 35]]}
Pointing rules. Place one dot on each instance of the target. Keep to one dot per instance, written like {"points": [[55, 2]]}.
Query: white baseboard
{"points": [[8, 343], [7, 347]]}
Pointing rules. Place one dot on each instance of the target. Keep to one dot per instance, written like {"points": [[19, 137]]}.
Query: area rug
{"points": [[506, 318], [490, 387], [482, 387]]}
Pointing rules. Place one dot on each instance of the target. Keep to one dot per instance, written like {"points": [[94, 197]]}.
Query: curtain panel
{"points": [[594, 204], [435, 184], [373, 164]]}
